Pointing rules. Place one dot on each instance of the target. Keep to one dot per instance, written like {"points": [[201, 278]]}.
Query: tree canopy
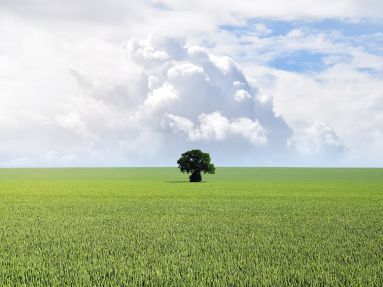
{"points": [[194, 162]]}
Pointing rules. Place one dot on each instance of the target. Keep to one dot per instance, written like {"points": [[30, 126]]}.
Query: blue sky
{"points": [[364, 34], [345, 27], [136, 83]]}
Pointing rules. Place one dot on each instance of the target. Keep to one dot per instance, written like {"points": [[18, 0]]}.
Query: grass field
{"points": [[147, 227]]}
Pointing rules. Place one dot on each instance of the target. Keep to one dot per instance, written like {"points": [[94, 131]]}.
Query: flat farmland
{"points": [[150, 227]]}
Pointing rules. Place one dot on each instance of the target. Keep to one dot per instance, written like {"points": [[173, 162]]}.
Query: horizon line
{"points": [[223, 166]]}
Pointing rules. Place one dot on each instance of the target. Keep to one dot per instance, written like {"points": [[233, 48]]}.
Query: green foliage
{"points": [[133, 227], [195, 162]]}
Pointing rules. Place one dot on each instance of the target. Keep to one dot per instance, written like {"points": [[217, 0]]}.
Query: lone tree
{"points": [[194, 162]]}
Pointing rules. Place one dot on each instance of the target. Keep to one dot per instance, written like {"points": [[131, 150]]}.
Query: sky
{"points": [[136, 83]]}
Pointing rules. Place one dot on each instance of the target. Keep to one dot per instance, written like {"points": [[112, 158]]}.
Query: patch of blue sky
{"points": [[281, 27], [364, 33], [370, 43], [236, 30], [276, 27], [300, 62], [372, 72], [346, 27]]}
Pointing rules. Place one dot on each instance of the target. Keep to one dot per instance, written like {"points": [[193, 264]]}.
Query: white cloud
{"points": [[262, 29], [143, 50], [347, 99], [250, 130], [198, 53], [316, 138], [241, 95], [82, 83], [117, 9], [238, 84], [162, 96], [215, 126], [186, 71], [283, 9], [104, 104]]}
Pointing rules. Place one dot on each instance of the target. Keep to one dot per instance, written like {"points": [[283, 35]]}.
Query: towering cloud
{"points": [[255, 83]]}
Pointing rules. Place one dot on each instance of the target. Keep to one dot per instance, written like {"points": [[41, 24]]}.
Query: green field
{"points": [[148, 227]]}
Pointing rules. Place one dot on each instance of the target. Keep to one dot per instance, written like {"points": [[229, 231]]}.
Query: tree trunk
{"points": [[195, 177]]}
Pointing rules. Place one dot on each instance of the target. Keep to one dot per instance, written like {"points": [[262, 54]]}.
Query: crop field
{"points": [[149, 227]]}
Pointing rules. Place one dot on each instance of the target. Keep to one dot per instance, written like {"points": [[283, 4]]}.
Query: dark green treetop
{"points": [[194, 162]]}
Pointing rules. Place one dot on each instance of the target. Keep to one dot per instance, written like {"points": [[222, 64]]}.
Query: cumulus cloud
{"points": [[241, 95], [143, 50], [214, 126], [115, 110], [162, 96], [318, 137], [203, 98], [186, 71], [98, 84], [345, 98]]}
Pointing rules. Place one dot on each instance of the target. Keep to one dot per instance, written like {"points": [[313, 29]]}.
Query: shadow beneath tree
{"points": [[182, 181]]}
